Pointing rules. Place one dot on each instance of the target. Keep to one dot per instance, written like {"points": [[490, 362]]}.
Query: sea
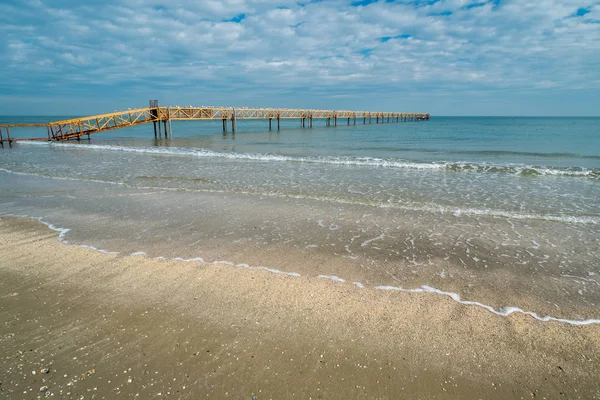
{"points": [[495, 212]]}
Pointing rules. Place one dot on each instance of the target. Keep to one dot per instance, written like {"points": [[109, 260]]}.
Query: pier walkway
{"points": [[75, 128]]}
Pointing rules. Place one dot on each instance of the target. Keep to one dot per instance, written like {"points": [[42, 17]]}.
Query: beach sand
{"points": [[113, 326]]}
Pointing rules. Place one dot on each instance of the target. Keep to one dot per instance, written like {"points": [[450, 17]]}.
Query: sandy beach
{"points": [[77, 323]]}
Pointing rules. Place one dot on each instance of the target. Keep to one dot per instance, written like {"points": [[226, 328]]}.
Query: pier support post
{"points": [[310, 121], [270, 120], [165, 126], [153, 115], [354, 119], [278, 121], [1, 141], [233, 121], [335, 120], [170, 122], [348, 121], [224, 125], [364, 120]]}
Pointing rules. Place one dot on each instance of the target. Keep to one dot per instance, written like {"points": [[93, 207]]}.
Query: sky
{"points": [[446, 57]]}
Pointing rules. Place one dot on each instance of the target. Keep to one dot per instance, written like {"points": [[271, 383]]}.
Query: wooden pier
{"points": [[77, 127]]}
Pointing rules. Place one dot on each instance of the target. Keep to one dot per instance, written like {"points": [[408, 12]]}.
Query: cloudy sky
{"points": [[447, 57]]}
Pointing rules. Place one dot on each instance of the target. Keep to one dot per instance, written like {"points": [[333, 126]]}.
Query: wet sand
{"points": [[110, 326]]}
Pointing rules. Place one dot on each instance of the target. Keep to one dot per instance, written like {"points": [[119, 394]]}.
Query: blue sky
{"points": [[447, 57]]}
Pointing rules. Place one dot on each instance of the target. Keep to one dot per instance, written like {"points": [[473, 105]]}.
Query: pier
{"points": [[75, 128]]}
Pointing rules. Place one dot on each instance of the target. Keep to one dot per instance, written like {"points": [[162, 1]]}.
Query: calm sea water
{"points": [[502, 211]]}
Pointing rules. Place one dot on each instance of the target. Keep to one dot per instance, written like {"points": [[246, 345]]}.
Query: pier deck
{"points": [[75, 128]]}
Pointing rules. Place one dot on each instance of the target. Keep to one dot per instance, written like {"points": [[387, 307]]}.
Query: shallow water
{"points": [[503, 211]]}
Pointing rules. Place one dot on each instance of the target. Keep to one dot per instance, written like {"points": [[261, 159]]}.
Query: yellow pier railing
{"points": [[77, 127]]}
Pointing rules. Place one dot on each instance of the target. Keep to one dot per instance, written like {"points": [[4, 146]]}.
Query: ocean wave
{"points": [[515, 169], [524, 170], [494, 153], [431, 208], [61, 178]]}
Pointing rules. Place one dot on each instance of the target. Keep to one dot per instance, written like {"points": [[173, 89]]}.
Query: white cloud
{"points": [[281, 46]]}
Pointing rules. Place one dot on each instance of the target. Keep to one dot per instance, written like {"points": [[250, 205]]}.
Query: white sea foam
{"points": [[504, 311], [338, 160], [429, 208], [60, 178], [332, 277], [366, 242]]}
